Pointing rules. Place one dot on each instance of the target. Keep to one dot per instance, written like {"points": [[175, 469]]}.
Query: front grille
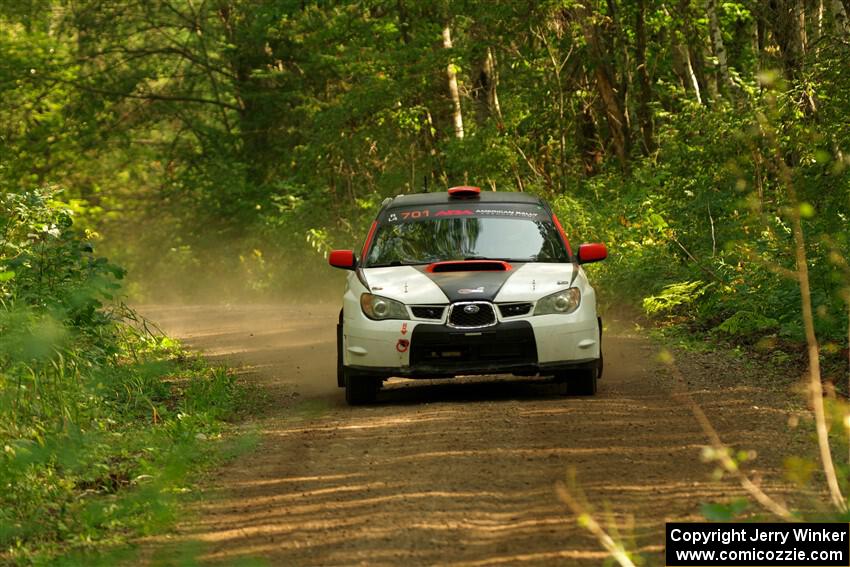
{"points": [[436, 348], [514, 309], [428, 311], [472, 314]]}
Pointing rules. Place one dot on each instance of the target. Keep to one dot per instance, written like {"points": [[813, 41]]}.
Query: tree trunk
{"points": [[614, 110], [718, 46], [692, 67], [759, 33], [492, 93], [618, 44], [839, 14], [644, 92], [457, 113], [560, 101], [692, 76], [818, 25], [788, 25], [403, 22], [616, 116], [254, 120], [486, 84], [799, 24], [586, 135]]}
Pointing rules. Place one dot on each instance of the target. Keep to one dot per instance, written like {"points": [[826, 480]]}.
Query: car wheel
{"points": [[583, 382], [360, 390], [340, 370], [599, 369], [580, 382], [562, 380]]}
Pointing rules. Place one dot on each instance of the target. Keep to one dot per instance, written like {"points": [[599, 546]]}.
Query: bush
{"points": [[746, 324], [675, 298], [100, 419]]}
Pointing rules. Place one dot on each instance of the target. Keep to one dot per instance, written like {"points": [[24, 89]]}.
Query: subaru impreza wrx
{"points": [[467, 282]]}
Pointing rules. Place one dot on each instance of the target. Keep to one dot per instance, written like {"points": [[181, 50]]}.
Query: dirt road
{"points": [[459, 473]]}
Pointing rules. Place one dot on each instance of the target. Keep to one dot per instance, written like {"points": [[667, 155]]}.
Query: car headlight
{"points": [[562, 302], [380, 308]]}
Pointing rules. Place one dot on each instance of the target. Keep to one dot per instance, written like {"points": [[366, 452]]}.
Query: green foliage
{"points": [[725, 512], [745, 324], [249, 140], [703, 209], [674, 298], [100, 420], [222, 148]]}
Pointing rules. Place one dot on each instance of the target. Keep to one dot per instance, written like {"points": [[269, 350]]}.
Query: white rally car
{"points": [[467, 282]]}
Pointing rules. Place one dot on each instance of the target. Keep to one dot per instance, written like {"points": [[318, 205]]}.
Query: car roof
{"points": [[415, 199]]}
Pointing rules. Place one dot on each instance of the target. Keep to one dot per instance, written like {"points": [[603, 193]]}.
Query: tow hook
{"points": [[402, 345]]}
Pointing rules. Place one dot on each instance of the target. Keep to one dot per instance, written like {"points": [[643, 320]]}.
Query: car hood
{"points": [[415, 285]]}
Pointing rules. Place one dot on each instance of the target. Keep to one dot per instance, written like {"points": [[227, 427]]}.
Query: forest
{"points": [[217, 150], [250, 137]]}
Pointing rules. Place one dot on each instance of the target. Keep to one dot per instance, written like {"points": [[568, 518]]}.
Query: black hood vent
{"points": [[470, 280], [469, 266]]}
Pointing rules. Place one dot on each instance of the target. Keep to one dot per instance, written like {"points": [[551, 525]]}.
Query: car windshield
{"points": [[466, 238]]}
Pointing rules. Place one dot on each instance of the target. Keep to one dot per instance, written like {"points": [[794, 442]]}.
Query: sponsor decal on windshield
{"points": [[453, 211], [507, 213]]}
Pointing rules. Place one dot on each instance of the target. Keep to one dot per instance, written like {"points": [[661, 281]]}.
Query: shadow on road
{"points": [[450, 472]]}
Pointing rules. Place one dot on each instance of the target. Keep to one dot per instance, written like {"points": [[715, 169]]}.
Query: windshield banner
{"points": [[452, 210]]}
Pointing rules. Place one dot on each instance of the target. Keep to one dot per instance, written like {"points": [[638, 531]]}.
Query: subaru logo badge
{"points": [[471, 309]]}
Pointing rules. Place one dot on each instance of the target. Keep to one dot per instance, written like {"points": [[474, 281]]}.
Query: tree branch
{"points": [[149, 96]]}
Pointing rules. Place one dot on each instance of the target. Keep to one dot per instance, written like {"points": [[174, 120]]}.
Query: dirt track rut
{"points": [[456, 473]]}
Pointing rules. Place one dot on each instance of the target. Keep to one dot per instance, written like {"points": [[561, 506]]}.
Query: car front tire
{"points": [[340, 362], [583, 382], [360, 390], [580, 382]]}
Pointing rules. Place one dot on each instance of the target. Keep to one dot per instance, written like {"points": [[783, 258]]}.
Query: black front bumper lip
{"points": [[461, 369]]}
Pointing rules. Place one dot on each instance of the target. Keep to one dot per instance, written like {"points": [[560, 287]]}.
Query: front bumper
{"points": [[548, 369], [534, 345]]}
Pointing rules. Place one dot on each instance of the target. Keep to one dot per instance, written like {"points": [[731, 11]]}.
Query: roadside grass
{"points": [[105, 422], [80, 495], [780, 359], [696, 369], [699, 361]]}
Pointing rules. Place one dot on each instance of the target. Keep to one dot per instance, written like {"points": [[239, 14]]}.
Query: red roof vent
{"points": [[465, 192]]}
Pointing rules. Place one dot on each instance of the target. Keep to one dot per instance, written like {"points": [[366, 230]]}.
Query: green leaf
{"points": [[717, 512]]}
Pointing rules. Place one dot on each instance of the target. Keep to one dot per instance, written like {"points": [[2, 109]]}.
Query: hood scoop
{"points": [[469, 266]]}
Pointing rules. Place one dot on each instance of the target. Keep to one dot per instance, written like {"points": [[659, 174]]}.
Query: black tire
{"points": [[583, 382], [599, 371], [340, 370], [579, 382], [360, 390], [563, 384]]}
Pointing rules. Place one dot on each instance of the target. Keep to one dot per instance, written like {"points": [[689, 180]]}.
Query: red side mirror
{"points": [[588, 253], [342, 259]]}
